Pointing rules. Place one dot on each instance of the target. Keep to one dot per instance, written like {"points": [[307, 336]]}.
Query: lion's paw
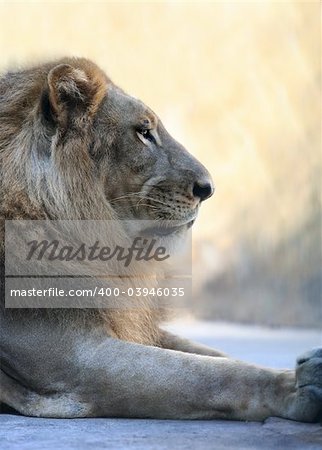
{"points": [[309, 386]]}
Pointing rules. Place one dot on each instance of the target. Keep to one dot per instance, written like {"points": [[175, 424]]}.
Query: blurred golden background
{"points": [[239, 84]]}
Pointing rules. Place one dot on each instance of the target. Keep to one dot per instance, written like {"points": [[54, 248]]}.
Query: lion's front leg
{"points": [[131, 380]]}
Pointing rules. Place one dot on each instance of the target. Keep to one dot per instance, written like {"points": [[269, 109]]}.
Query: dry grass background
{"points": [[239, 84]]}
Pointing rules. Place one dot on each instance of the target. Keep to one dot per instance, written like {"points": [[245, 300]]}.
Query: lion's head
{"points": [[73, 145]]}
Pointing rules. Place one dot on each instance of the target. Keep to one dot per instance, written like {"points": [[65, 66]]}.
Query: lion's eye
{"points": [[145, 136]]}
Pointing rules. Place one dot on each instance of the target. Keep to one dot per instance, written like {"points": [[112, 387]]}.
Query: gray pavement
{"points": [[275, 348]]}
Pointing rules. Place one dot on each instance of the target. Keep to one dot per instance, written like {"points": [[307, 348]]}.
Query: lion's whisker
{"points": [[141, 197]]}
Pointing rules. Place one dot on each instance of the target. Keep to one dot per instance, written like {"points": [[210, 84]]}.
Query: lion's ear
{"points": [[74, 92]]}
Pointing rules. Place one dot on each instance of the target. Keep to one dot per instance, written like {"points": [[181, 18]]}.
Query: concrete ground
{"points": [[274, 348]]}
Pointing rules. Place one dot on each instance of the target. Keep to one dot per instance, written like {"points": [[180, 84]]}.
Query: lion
{"points": [[74, 146]]}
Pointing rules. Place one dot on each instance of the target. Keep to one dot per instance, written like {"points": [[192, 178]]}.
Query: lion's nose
{"points": [[203, 189]]}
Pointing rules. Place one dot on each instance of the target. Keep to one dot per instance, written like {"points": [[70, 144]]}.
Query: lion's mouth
{"points": [[165, 229], [189, 224]]}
